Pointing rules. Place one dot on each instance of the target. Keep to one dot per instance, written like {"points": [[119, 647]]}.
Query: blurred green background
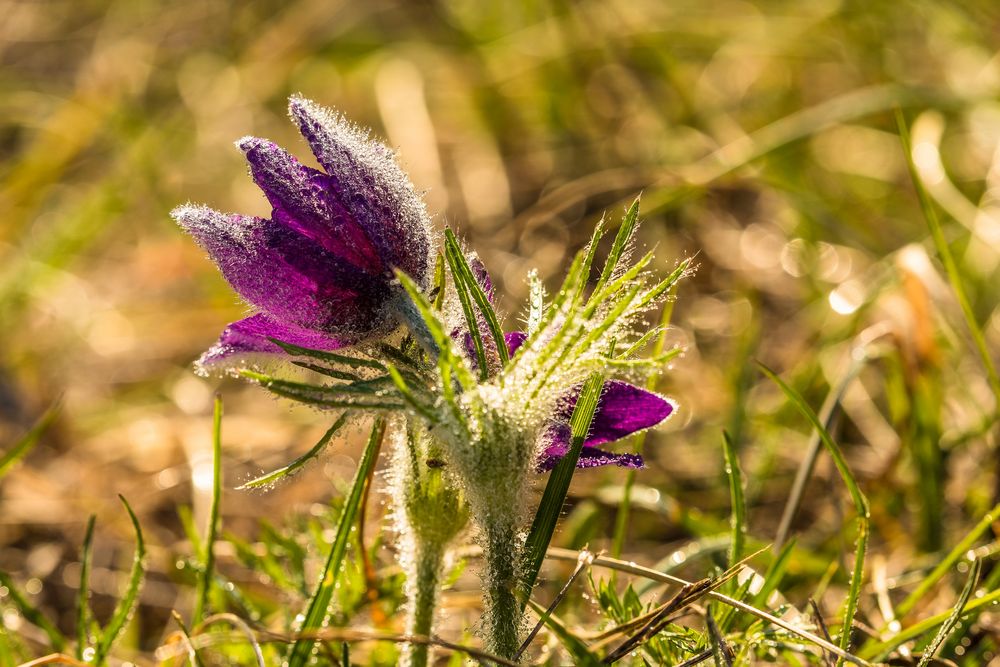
{"points": [[761, 136]]}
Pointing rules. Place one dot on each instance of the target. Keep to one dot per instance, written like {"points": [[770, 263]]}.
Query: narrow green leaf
{"points": [[296, 465], [208, 555], [32, 613], [462, 288], [319, 606], [625, 233], [331, 357], [126, 606], [544, 524], [329, 372], [29, 439], [536, 301], [340, 396], [956, 614], [457, 259], [83, 592]]}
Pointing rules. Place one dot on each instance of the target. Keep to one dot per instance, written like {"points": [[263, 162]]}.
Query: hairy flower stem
{"points": [[501, 552], [422, 577]]}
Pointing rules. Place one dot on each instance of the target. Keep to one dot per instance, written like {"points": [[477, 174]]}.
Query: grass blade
{"points": [[28, 440], [319, 605], [208, 556], [956, 614], [293, 467], [549, 508], [125, 607], [860, 505], [83, 592]]}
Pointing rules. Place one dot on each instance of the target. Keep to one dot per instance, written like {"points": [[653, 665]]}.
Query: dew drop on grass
{"points": [[88, 653]]}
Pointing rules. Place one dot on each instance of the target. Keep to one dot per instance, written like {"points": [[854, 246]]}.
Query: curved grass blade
{"points": [[956, 614], [56, 639], [125, 607], [28, 440], [319, 605], [544, 524], [860, 504], [83, 592], [208, 556], [270, 478]]}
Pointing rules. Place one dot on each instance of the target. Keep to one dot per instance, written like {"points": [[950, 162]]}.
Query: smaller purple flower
{"points": [[320, 269], [622, 410]]}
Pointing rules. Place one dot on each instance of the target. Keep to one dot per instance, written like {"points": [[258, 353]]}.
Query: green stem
{"points": [[424, 571], [503, 611]]}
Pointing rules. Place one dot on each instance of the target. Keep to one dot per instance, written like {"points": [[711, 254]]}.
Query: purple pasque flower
{"points": [[320, 269], [622, 410]]}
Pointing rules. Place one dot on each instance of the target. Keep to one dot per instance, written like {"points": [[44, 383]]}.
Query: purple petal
{"points": [[624, 409], [249, 337], [371, 185], [514, 340], [590, 457], [289, 276], [308, 201]]}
